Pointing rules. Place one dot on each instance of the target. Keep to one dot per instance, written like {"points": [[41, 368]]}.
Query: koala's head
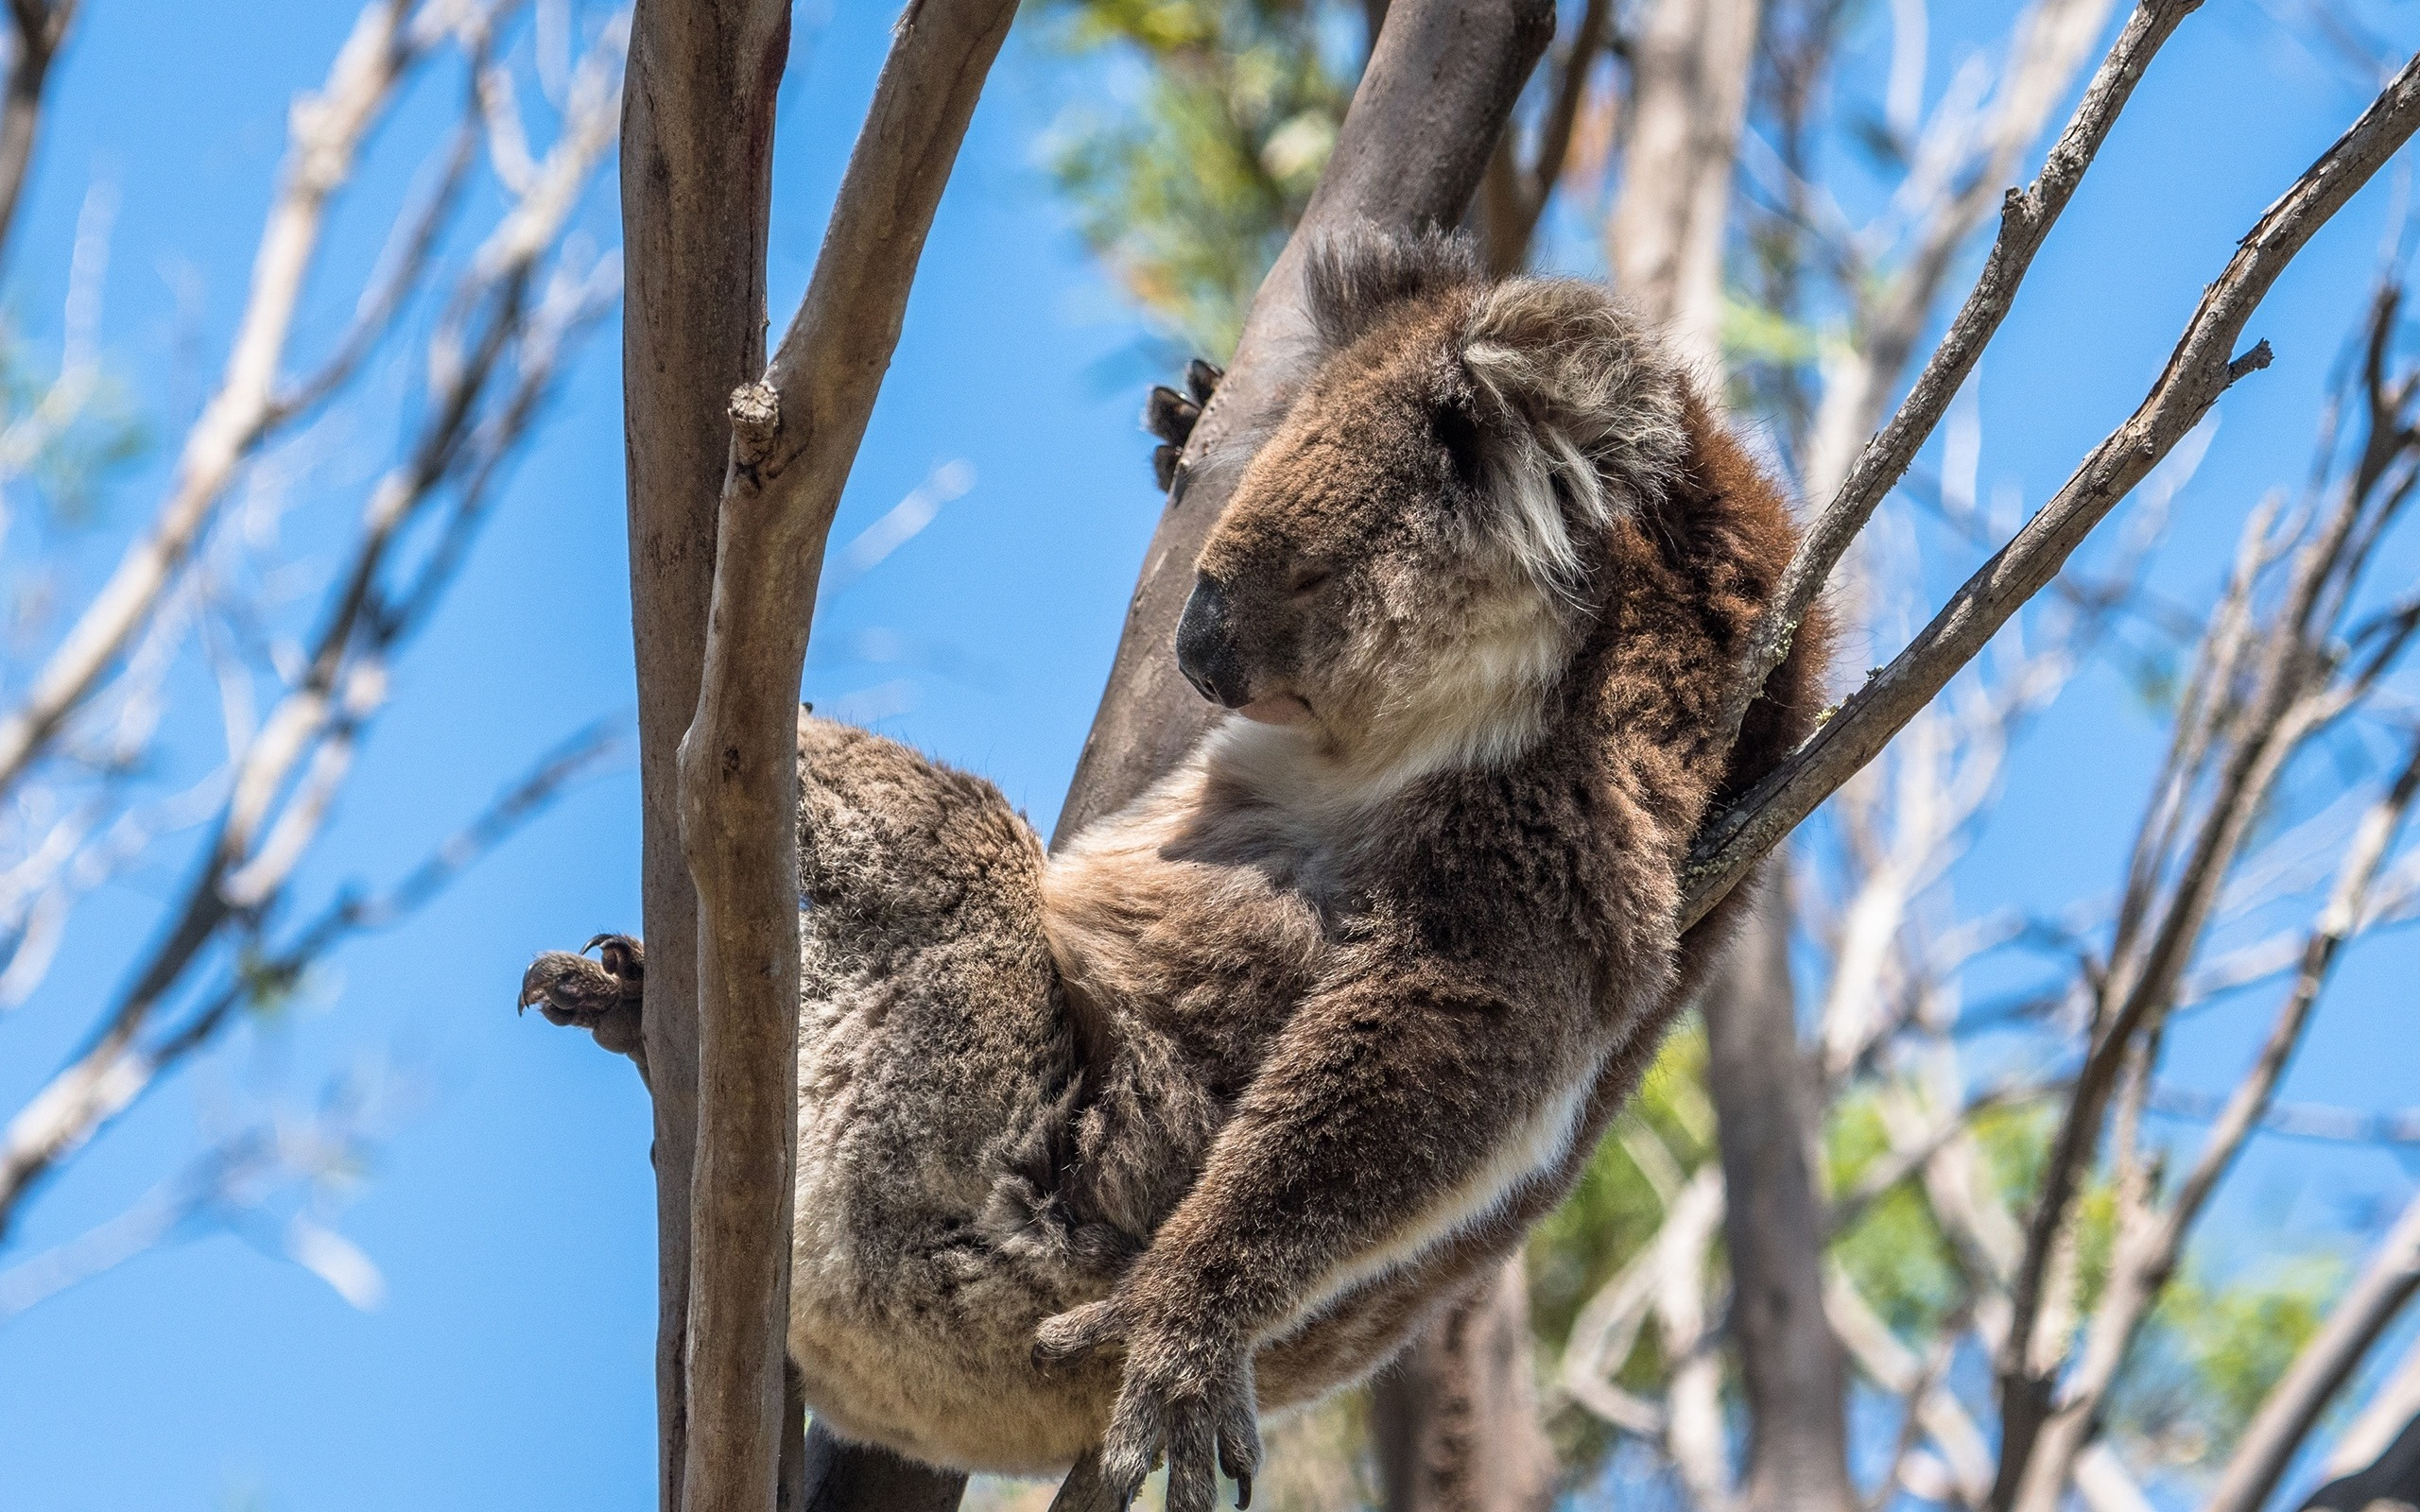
{"points": [[1409, 560]]}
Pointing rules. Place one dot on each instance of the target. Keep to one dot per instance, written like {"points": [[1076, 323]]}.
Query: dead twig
{"points": [[2200, 368], [2026, 219]]}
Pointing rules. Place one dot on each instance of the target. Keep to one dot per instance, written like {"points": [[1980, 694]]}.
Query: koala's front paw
{"points": [[1186, 1397], [607, 996], [1171, 416]]}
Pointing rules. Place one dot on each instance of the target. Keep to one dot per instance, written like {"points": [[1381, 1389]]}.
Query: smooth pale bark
{"points": [[697, 194], [1666, 242], [793, 440], [1689, 97]]}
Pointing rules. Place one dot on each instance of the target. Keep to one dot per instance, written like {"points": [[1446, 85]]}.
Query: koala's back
{"points": [[935, 1065]]}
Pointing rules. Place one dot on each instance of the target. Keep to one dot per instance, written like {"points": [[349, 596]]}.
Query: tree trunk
{"points": [[1454, 1420], [1794, 1377], [697, 184], [1667, 235], [1439, 85], [1690, 100]]}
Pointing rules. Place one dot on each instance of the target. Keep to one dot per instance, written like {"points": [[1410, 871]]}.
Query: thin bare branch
{"points": [[2026, 219], [2150, 1242], [258, 840], [39, 28], [2199, 371], [410, 246], [2298, 1121], [326, 133]]}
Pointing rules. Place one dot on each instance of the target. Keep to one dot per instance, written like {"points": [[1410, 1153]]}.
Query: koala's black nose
{"points": [[1205, 646]]}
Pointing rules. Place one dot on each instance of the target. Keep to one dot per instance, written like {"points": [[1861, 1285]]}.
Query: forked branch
{"points": [[794, 436], [2025, 219], [2199, 370]]}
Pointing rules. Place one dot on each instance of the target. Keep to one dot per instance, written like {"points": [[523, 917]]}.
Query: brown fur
{"points": [[1223, 1101]]}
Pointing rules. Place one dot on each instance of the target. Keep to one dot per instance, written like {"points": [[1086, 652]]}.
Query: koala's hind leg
{"points": [[934, 1044], [936, 1067], [606, 996]]}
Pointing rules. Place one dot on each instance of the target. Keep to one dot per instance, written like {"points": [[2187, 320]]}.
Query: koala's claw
{"points": [[1189, 1400], [606, 996], [1171, 416], [1201, 378]]}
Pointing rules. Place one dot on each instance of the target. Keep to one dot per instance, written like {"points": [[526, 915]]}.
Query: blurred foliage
{"points": [[2204, 1358], [1221, 115], [1617, 1205], [66, 435]]}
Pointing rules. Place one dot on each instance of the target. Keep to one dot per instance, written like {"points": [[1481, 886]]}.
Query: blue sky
{"points": [[512, 1215]]}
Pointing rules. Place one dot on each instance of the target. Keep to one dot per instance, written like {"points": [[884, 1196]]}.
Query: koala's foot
{"points": [[1171, 416], [606, 997], [1187, 1398]]}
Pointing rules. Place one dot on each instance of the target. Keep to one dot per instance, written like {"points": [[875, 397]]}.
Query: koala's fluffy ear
{"points": [[1584, 411], [1355, 277]]}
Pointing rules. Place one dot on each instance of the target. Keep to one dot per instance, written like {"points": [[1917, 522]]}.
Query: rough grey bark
{"points": [[697, 190], [1792, 1370]]}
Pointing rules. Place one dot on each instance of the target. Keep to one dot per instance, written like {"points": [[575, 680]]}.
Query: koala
{"points": [[1102, 1153]]}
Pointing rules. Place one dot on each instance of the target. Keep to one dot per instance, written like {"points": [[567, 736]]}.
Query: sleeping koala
{"points": [[1101, 1153]]}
